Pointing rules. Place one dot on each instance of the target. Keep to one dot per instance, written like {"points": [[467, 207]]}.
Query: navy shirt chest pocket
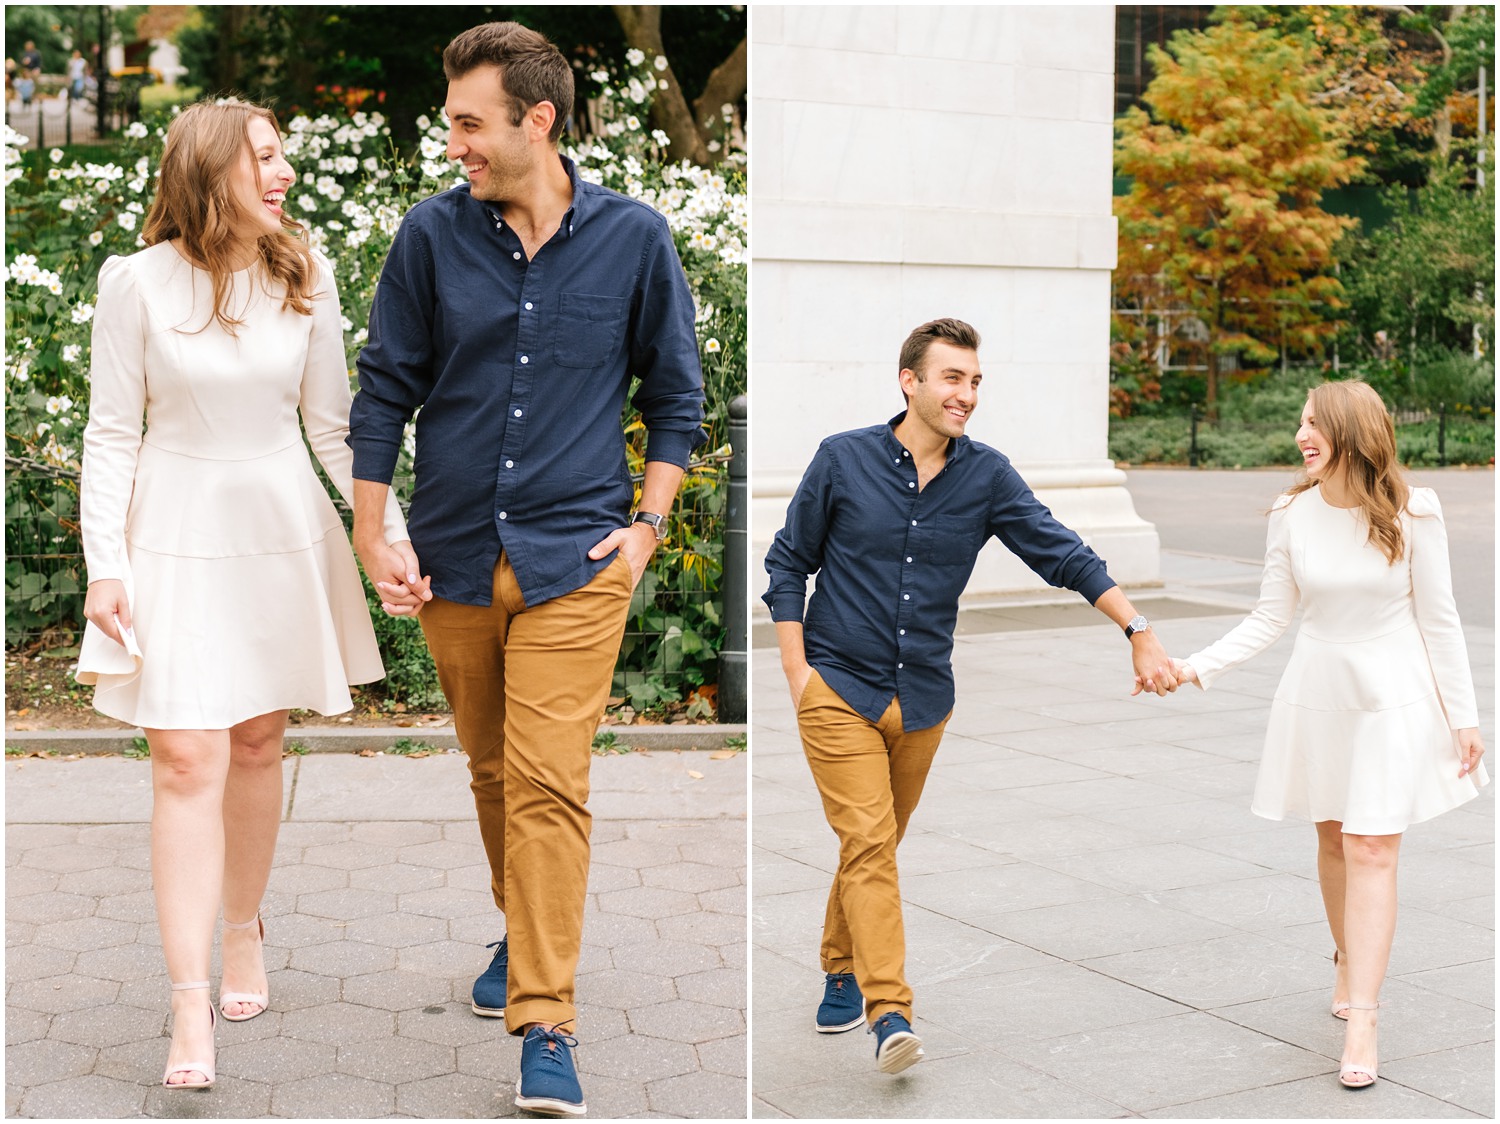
{"points": [[952, 540], [588, 329]]}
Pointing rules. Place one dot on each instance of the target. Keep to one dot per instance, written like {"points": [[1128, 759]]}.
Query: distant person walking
{"points": [[31, 60], [1374, 726], [77, 69]]}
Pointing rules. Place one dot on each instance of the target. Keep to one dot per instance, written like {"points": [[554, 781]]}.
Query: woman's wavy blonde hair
{"points": [[1354, 419], [195, 201]]}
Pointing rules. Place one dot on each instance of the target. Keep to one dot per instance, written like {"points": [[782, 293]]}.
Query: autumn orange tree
{"points": [[1223, 212]]}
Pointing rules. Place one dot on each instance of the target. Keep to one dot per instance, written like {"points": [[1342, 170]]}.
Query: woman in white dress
{"points": [[1374, 726], [222, 590]]}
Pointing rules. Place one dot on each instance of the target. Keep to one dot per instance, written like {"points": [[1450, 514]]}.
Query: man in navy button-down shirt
{"points": [[515, 312], [891, 519]]}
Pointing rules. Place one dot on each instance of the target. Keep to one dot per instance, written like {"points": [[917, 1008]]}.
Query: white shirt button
{"points": [[528, 306], [512, 464], [525, 359], [908, 557], [899, 666], [516, 255], [911, 483], [499, 226], [913, 522], [504, 514], [518, 413], [903, 632], [906, 597]]}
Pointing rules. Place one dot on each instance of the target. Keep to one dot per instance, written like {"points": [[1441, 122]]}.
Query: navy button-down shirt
{"points": [[520, 369], [892, 559]]}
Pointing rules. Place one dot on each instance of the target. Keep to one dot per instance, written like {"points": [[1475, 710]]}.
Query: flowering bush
{"points": [[65, 218]]}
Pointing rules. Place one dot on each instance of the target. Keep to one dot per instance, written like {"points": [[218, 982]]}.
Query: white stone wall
{"points": [[916, 162]]}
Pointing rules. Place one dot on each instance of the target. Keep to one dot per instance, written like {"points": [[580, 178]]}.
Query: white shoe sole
{"points": [[548, 1106], [487, 1012], [821, 1029], [899, 1052]]}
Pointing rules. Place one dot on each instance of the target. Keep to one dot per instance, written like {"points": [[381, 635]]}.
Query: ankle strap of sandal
{"points": [[196, 986], [228, 924], [1360, 1006]]}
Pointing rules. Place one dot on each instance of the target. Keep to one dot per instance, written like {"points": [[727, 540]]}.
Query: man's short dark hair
{"points": [[948, 330], [532, 70]]}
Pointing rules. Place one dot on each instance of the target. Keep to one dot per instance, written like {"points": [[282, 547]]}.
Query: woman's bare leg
{"points": [[188, 769], [1331, 880], [1369, 928], [252, 816]]}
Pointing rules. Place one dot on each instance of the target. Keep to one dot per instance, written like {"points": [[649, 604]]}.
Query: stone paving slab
{"points": [[375, 927], [1096, 924]]}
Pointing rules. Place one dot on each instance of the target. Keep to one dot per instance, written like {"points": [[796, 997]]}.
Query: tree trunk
{"points": [[669, 108], [725, 86]]}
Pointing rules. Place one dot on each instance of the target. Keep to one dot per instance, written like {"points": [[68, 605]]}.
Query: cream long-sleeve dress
{"points": [[243, 590], [1362, 725]]}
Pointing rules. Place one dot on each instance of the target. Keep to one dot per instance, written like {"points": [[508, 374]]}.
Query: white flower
{"points": [[424, 122], [371, 163], [662, 85], [727, 110], [69, 205], [661, 62], [307, 202], [42, 428], [72, 352], [636, 91], [136, 131], [346, 323], [710, 345], [600, 76], [345, 165], [632, 122], [126, 219], [57, 405], [137, 185], [54, 173], [432, 149], [96, 237], [83, 313], [635, 57], [660, 137], [135, 208], [362, 335]]}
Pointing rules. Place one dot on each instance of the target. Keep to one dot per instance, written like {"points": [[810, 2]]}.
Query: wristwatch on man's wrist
{"points": [[1137, 623], [657, 523]]}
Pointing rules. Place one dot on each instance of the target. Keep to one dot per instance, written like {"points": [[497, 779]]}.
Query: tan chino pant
{"points": [[870, 776], [527, 687]]}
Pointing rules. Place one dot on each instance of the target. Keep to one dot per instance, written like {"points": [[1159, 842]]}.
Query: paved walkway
{"points": [[376, 921], [1097, 926]]}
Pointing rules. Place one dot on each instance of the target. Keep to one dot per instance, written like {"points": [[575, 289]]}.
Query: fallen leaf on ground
{"points": [[723, 755], [697, 776]]}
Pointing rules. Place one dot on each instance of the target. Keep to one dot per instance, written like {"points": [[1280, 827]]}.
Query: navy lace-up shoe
{"points": [[549, 1084], [489, 989], [843, 1007], [896, 1046]]}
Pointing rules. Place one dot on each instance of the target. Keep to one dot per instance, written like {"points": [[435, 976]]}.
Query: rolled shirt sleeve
{"points": [[797, 551], [664, 355]]}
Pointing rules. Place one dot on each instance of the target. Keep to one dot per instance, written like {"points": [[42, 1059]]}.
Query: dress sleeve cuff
{"points": [[787, 606]]}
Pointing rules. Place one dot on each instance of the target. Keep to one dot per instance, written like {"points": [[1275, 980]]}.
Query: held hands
{"points": [[108, 607], [1154, 669], [1182, 671], [636, 542], [1470, 747], [393, 570]]}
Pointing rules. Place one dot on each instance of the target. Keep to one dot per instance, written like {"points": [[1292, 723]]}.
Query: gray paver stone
{"points": [[684, 1021], [700, 1093], [306, 878], [666, 958], [448, 959], [35, 962], [725, 1055], [721, 987], [451, 1024], [346, 905], [25, 1026], [456, 1096], [395, 1060], [139, 907], [333, 1094], [637, 1057], [342, 958], [276, 1061], [57, 994], [397, 833], [396, 878], [397, 990], [48, 906], [44, 1060], [399, 930], [90, 1096], [338, 1023], [111, 1025]]}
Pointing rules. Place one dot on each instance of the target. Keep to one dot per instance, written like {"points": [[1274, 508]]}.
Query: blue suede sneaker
{"points": [[548, 1084], [896, 1047], [489, 989], [843, 1007]]}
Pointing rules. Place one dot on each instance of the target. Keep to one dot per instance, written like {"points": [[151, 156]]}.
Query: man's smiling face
{"points": [[946, 396], [495, 153]]}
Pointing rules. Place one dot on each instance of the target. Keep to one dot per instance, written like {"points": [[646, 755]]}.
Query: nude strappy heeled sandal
{"points": [[260, 998], [1358, 1076], [206, 1068]]}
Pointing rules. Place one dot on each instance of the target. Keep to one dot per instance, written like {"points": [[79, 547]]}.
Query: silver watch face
{"points": [[1137, 624]]}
